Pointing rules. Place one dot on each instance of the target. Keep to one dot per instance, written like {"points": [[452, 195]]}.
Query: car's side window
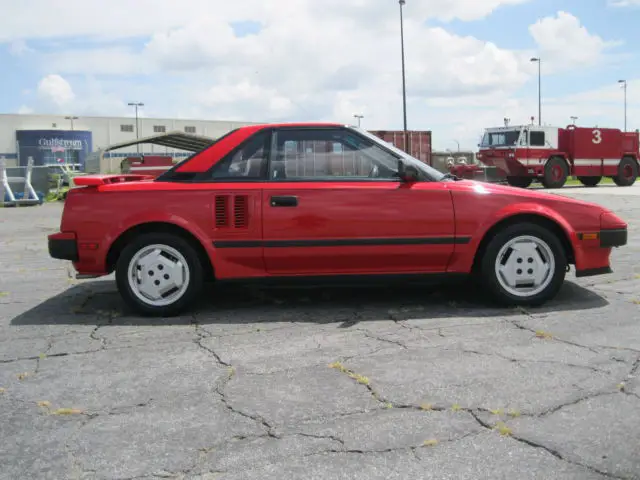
{"points": [[329, 154], [249, 162]]}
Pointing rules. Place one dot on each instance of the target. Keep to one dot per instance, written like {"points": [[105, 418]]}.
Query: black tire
{"points": [[489, 278], [555, 174], [627, 172], [192, 289], [590, 181], [520, 182]]}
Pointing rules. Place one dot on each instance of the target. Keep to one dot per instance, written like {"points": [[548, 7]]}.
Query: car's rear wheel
{"points": [[590, 181], [521, 182], [523, 264], [159, 274]]}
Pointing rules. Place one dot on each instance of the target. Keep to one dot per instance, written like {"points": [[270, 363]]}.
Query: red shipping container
{"points": [[419, 142]]}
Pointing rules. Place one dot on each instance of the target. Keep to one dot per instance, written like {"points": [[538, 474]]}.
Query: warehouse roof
{"points": [[175, 139]]}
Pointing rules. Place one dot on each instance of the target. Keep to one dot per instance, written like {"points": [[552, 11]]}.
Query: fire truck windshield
{"points": [[500, 139]]}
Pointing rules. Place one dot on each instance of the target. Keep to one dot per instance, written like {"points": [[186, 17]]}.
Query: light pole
{"points": [[573, 119], [72, 119], [539, 61], [458, 144], [136, 105], [624, 87], [359, 117], [404, 78]]}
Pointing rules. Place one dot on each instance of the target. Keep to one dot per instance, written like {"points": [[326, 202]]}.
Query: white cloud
{"points": [[125, 18], [624, 3], [55, 90], [116, 60], [310, 60], [19, 47], [24, 110], [564, 43]]}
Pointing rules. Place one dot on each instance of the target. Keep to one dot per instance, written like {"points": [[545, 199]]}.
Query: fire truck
{"points": [[550, 154]]}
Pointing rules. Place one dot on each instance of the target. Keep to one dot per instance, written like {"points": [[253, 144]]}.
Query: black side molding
{"points": [[346, 242]]}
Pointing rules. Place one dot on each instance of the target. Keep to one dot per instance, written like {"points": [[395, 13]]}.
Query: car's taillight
{"points": [[610, 221]]}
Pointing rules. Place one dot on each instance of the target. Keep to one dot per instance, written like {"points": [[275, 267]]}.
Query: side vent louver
{"points": [[222, 211], [240, 207], [240, 212]]}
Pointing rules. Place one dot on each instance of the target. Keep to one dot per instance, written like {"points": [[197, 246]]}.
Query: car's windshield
{"points": [[421, 166], [500, 139]]}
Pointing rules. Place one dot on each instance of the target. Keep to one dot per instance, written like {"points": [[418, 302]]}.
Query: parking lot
{"points": [[402, 382]]}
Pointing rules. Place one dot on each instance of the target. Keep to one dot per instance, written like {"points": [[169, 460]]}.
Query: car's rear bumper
{"points": [[63, 246]]}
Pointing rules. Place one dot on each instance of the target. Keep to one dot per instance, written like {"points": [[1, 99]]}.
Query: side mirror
{"points": [[408, 173]]}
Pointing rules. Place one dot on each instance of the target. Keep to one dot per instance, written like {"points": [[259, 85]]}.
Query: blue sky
{"points": [[225, 63], [508, 27]]}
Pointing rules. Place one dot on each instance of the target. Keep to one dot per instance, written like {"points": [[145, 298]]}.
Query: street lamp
{"points": [[624, 86], [359, 117], [458, 144], [136, 105], [404, 78], [539, 61], [72, 119], [573, 119]]}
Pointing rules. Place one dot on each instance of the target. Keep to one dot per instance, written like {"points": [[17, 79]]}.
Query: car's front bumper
{"points": [[615, 237], [595, 249]]}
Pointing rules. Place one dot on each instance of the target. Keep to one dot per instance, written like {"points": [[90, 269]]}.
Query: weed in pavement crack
{"points": [[549, 450], [527, 329]]}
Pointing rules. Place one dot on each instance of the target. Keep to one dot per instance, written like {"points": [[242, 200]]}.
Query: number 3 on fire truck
{"points": [[597, 136]]}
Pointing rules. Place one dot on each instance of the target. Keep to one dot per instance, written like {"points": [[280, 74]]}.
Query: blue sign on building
{"points": [[54, 147]]}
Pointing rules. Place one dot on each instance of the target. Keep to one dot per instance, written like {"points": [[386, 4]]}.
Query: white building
{"points": [[52, 139]]}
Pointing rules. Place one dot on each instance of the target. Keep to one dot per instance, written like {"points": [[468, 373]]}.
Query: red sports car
{"points": [[323, 202]]}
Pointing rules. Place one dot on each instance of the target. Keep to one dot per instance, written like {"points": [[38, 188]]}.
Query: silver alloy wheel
{"points": [[525, 266], [158, 275]]}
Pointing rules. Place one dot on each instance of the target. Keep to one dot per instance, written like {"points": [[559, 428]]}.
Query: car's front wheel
{"points": [[523, 264], [159, 274]]}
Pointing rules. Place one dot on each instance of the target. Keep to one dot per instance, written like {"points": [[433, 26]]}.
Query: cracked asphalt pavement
{"points": [[349, 383]]}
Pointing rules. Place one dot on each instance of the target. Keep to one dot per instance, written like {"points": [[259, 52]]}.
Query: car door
{"points": [[236, 208], [325, 210]]}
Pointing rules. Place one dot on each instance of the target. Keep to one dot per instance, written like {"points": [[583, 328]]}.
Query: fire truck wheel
{"points": [[523, 264], [555, 173], [627, 172], [589, 181], [520, 182]]}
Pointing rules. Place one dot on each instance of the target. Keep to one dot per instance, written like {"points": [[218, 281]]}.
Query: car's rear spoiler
{"points": [[96, 180]]}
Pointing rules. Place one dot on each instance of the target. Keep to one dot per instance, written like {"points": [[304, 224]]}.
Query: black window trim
{"points": [[325, 179], [205, 177], [272, 132]]}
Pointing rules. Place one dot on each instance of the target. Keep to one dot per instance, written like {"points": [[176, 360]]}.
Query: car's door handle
{"points": [[284, 201]]}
